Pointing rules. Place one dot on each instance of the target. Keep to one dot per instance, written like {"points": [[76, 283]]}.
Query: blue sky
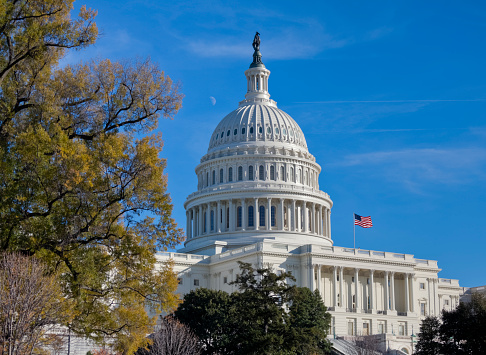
{"points": [[391, 97]]}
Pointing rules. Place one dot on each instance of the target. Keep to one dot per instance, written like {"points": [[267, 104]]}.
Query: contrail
{"points": [[384, 101]]}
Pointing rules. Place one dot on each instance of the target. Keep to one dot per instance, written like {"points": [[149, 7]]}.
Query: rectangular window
{"points": [[225, 280], [381, 328], [401, 329], [366, 329], [422, 309], [238, 216], [422, 286], [351, 328], [179, 281], [446, 302], [196, 282], [251, 217]]}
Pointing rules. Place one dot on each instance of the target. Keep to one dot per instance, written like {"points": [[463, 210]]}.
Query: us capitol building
{"points": [[258, 201]]}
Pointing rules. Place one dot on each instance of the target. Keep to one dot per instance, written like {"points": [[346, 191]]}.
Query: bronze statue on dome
{"points": [[256, 42]]}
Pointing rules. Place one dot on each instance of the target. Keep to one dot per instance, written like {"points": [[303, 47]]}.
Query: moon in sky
{"points": [[213, 100]]}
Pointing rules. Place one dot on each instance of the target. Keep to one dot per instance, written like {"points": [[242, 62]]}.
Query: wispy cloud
{"points": [[417, 167]]}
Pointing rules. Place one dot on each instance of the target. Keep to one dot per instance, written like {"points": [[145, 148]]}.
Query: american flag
{"points": [[364, 222]]}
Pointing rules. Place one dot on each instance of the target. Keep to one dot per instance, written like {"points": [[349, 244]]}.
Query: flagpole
{"points": [[354, 233]]}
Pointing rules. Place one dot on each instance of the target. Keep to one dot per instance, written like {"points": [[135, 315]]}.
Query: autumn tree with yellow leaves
{"points": [[82, 186]]}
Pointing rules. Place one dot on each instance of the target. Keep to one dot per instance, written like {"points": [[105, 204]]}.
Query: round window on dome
{"points": [[269, 130], [284, 131], [260, 129], [251, 130], [291, 133], [222, 134], [235, 131], [228, 133], [277, 131], [243, 130]]}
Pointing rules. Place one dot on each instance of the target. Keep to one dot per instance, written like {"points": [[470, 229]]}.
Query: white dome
{"points": [[257, 123]]}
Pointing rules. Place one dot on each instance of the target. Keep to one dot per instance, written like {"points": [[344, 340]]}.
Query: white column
{"points": [[371, 287], [282, 215], [320, 220], [208, 225], [319, 280], [430, 300], [407, 295], [200, 228], [329, 223], [386, 292], [392, 291], [312, 277], [334, 286], [306, 216], [293, 219], [223, 224], [188, 221], [269, 213], [341, 285], [436, 296], [218, 217], [231, 216], [313, 220], [412, 283], [256, 214], [356, 289], [243, 214]]}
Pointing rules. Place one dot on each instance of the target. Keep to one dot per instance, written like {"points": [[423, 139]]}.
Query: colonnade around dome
{"points": [[259, 215]]}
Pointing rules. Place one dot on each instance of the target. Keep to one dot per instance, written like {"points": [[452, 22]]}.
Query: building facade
{"points": [[258, 201]]}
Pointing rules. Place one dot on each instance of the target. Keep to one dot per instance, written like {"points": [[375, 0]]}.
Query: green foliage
{"points": [[428, 337], [77, 189], [460, 331], [309, 322], [210, 315], [267, 316]]}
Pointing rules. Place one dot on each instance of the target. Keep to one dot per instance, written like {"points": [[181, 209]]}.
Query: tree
{"points": [[309, 322], [174, 338], [82, 186], [261, 319], [210, 315], [459, 331], [31, 304], [267, 316]]}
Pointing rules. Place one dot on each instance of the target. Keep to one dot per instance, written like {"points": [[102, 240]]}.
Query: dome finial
{"points": [[257, 56]]}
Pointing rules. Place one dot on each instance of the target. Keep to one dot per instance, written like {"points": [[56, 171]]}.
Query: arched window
{"points": [[204, 221], [282, 173], [227, 218], [261, 173], [207, 178], [262, 216], [251, 217], [230, 174], [250, 172], [240, 173], [309, 215], [272, 172], [301, 176], [212, 220], [220, 176], [238, 216], [251, 130], [285, 218], [292, 176], [306, 182], [272, 217], [214, 177], [243, 130], [260, 129]]}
